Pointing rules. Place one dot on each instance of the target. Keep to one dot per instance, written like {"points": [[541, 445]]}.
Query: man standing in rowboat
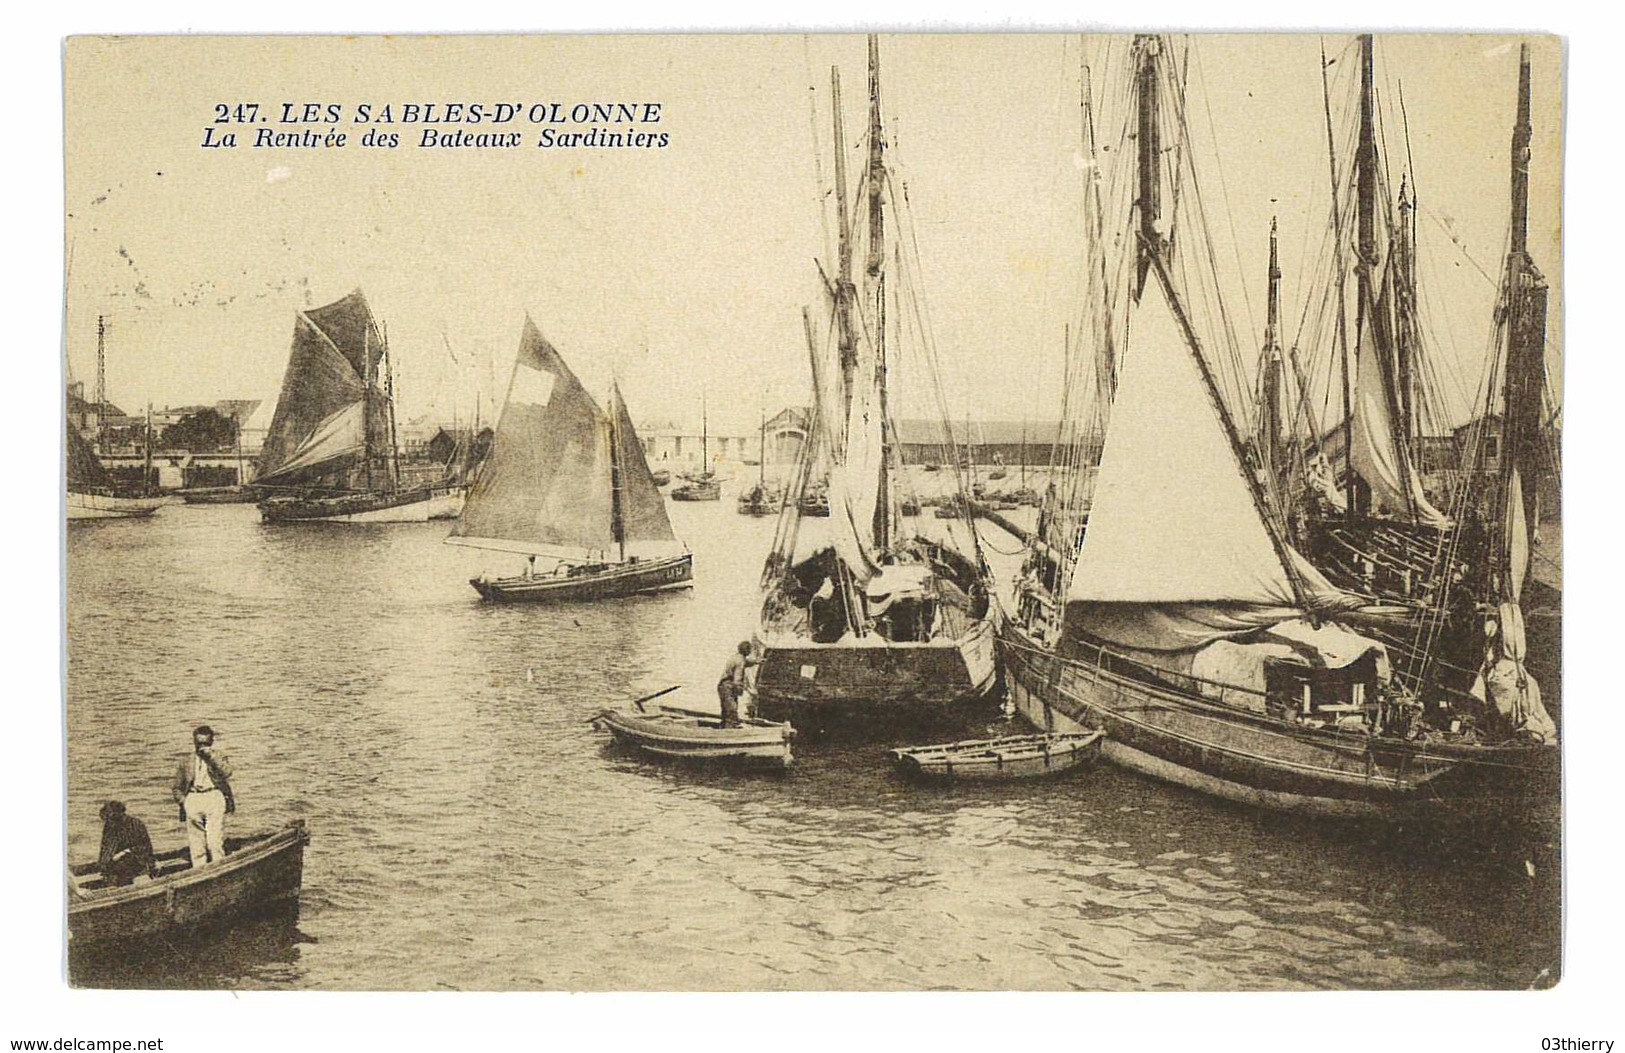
{"points": [[204, 796], [733, 683]]}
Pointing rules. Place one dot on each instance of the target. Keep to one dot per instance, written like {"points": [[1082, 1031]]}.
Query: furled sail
{"points": [[1378, 454], [855, 479], [546, 485], [334, 348], [643, 509], [1176, 553], [85, 471]]}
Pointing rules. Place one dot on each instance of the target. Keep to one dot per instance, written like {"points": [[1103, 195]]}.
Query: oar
{"points": [[638, 702]]}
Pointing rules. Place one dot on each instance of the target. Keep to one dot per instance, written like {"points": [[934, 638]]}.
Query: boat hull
{"points": [[106, 506], [622, 579], [407, 506], [1256, 760], [257, 873], [697, 739], [698, 492], [1000, 760], [874, 678]]}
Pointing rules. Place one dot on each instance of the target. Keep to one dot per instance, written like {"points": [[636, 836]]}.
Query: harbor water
{"points": [[471, 830]]}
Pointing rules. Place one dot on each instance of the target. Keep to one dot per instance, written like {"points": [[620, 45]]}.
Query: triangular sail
{"points": [[1173, 520], [331, 349], [1378, 451], [643, 509], [546, 485], [338, 438]]}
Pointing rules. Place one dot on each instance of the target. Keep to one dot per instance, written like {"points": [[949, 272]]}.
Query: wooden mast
{"points": [[845, 291], [1365, 243], [394, 443], [1149, 199], [1524, 385], [366, 400], [617, 511], [875, 268], [101, 384], [1342, 296]]}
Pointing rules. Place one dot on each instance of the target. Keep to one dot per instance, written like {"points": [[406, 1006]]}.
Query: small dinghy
{"points": [[259, 870], [1012, 757], [691, 735]]}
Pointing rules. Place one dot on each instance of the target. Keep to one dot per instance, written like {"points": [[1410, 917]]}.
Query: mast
{"points": [[1270, 370], [761, 453], [617, 510], [1149, 199], [705, 437], [845, 292], [366, 399], [1365, 233], [1525, 381], [101, 384], [146, 471], [1404, 303], [1342, 296], [874, 267], [394, 445]]}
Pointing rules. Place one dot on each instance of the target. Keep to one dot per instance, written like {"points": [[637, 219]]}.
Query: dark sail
{"points": [[546, 487], [643, 509], [85, 471], [331, 346]]}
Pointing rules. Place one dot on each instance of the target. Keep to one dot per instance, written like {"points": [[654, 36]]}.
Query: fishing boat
{"points": [[1454, 556], [662, 477], [688, 735], [567, 483], [1181, 621], [331, 454], [219, 495], [1009, 757], [702, 485], [760, 499], [258, 872], [863, 622], [92, 493]]}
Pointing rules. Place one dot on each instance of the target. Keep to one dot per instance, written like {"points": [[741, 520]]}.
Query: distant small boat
{"points": [[1012, 757], [698, 490], [662, 477], [219, 495], [259, 871], [996, 474], [689, 735]]}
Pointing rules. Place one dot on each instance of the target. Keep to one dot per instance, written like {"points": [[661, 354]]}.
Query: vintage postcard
{"points": [[814, 512]]}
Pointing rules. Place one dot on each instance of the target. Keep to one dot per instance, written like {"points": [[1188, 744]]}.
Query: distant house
{"points": [[678, 446], [89, 418], [448, 443]]}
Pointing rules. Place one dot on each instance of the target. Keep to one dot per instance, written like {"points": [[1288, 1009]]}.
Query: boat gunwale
{"points": [[262, 847]]}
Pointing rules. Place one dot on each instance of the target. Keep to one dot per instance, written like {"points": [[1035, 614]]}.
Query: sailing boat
{"points": [[1207, 648], [568, 483], [92, 493], [859, 620], [701, 485], [760, 499], [331, 455]]}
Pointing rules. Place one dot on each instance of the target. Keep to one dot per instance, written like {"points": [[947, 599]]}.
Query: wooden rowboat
{"points": [[259, 870], [689, 735], [1011, 757]]}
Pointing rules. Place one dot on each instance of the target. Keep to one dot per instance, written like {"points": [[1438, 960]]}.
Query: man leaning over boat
{"points": [[203, 794]]}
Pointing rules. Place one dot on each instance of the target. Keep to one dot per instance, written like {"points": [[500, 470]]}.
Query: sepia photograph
{"points": [[814, 512]]}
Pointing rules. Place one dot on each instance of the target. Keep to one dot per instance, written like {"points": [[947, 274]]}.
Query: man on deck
{"points": [[733, 683], [204, 797]]}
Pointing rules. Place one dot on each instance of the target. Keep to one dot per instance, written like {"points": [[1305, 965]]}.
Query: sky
{"points": [[683, 271]]}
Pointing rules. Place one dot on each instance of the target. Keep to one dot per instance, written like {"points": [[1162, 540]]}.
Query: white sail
{"points": [[340, 434], [1376, 454], [854, 480], [1173, 520]]}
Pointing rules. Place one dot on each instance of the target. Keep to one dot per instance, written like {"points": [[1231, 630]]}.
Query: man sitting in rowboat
{"points": [[126, 851]]}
